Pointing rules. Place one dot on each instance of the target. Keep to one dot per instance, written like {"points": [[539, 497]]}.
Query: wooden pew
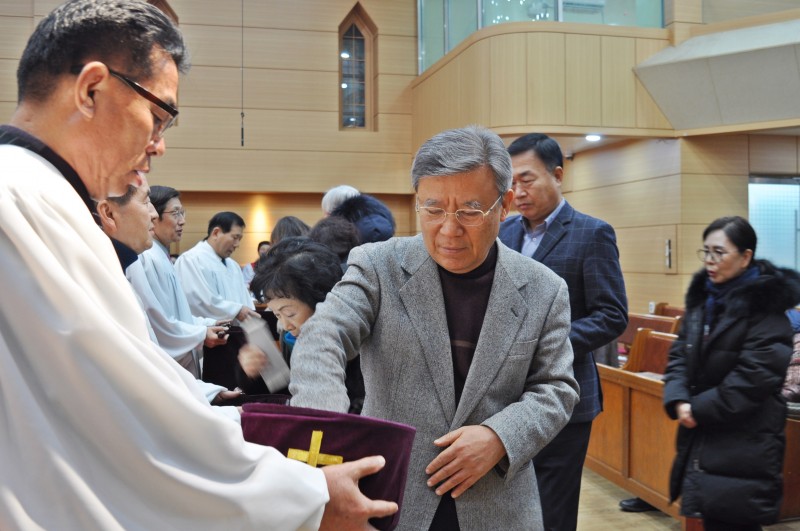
{"points": [[663, 308], [649, 352], [659, 323], [633, 443]]}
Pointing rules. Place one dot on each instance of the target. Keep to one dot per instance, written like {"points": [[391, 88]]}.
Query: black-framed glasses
{"points": [[469, 217], [716, 255], [160, 125]]}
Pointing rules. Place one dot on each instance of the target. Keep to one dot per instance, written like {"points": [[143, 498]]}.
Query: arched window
{"points": [[357, 72]]}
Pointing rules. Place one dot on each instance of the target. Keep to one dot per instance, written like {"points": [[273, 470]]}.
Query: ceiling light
{"points": [[593, 138]]}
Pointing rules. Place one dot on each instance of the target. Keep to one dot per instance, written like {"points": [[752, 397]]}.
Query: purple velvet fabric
{"points": [[349, 437]]}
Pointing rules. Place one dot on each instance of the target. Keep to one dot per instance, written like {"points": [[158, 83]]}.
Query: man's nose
{"points": [[451, 226], [157, 147]]}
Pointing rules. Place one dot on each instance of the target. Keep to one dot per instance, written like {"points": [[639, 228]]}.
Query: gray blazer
{"points": [[389, 307]]}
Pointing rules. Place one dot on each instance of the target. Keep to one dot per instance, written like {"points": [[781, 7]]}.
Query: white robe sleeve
{"points": [[101, 429], [203, 284]]}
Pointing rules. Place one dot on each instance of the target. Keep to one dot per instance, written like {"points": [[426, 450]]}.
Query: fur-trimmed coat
{"points": [[729, 467]]}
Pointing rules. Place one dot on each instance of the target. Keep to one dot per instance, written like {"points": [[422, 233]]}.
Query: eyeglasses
{"points": [[468, 217], [178, 214], [715, 255], [160, 125]]}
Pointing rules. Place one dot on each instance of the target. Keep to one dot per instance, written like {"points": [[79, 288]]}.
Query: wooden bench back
{"points": [[650, 351]]}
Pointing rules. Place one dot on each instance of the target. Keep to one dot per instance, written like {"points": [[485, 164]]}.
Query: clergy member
{"points": [[181, 334], [101, 430], [214, 287]]}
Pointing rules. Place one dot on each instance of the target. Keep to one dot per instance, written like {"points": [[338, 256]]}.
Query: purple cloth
{"points": [[324, 437]]}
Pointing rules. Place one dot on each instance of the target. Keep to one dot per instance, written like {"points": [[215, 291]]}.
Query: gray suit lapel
{"points": [[422, 298], [505, 314]]}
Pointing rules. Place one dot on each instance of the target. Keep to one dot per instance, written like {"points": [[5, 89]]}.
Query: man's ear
{"points": [[505, 204], [558, 173], [107, 216], [91, 79]]}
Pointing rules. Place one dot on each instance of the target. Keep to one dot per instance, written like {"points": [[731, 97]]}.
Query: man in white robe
{"points": [[181, 334], [214, 287], [101, 430]]}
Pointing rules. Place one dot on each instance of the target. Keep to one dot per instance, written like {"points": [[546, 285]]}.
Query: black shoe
{"points": [[636, 505]]}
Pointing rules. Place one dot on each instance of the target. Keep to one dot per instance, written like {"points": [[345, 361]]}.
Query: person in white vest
{"points": [[101, 429], [214, 287], [181, 334]]}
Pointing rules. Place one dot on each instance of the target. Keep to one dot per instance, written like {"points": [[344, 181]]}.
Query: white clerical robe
{"points": [[179, 333], [213, 288], [100, 429]]}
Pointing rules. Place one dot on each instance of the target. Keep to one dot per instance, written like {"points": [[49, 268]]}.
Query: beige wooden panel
{"points": [[473, 85], [707, 197], [43, 7], [618, 56], [264, 48], [300, 90], [718, 154], [8, 81], [397, 55], [439, 104], [771, 154], [262, 211], [643, 288], [507, 71], [635, 204], [683, 11], [6, 110], [648, 115], [394, 94], [211, 128], [16, 8], [584, 98], [248, 170], [644, 249], [397, 17], [625, 162], [690, 239], [14, 34], [546, 80]]}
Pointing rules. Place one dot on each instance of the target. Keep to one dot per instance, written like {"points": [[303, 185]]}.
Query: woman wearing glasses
{"points": [[723, 382]]}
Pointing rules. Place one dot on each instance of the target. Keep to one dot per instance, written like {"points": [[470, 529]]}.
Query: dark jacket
{"points": [[583, 251], [371, 217], [729, 467]]}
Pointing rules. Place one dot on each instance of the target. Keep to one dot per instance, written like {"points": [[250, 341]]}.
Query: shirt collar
{"points": [[126, 255], [547, 221], [14, 136]]}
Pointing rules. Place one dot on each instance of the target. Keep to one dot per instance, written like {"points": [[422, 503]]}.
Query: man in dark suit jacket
{"points": [[583, 251]]}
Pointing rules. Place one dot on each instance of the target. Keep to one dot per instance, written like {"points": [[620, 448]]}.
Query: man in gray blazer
{"points": [[459, 336]]}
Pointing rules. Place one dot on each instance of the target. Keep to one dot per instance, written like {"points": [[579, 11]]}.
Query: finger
{"points": [[367, 466], [452, 482], [440, 461], [463, 487], [448, 438], [381, 508], [442, 473]]}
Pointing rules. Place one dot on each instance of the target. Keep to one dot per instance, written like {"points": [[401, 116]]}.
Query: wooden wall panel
{"points": [[637, 204], [262, 211], [211, 128], [508, 75], [618, 57], [8, 84], [392, 18], [643, 249], [245, 170], [394, 94], [583, 78], [397, 55], [546, 78], [14, 33], [626, 162], [16, 8], [220, 87], [475, 89], [648, 115], [718, 154], [264, 48], [6, 110], [773, 155], [690, 239], [437, 104], [683, 11], [643, 288], [707, 197]]}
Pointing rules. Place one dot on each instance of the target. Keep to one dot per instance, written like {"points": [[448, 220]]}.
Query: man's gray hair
{"points": [[461, 151], [336, 196]]}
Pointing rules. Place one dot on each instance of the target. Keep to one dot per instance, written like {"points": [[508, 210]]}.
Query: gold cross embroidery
{"points": [[312, 456]]}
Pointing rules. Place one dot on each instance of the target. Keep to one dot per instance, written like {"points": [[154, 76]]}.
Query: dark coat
{"points": [[729, 467], [583, 251], [372, 218]]}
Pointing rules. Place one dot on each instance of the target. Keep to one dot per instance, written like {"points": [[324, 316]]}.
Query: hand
{"points": [[252, 360], [684, 410], [213, 337], [225, 395], [246, 313], [348, 508], [472, 451]]}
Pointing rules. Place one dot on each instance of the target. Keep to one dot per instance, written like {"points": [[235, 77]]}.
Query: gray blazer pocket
{"points": [[523, 349]]}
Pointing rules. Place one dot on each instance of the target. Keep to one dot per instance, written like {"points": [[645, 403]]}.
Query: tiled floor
{"points": [[599, 510]]}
